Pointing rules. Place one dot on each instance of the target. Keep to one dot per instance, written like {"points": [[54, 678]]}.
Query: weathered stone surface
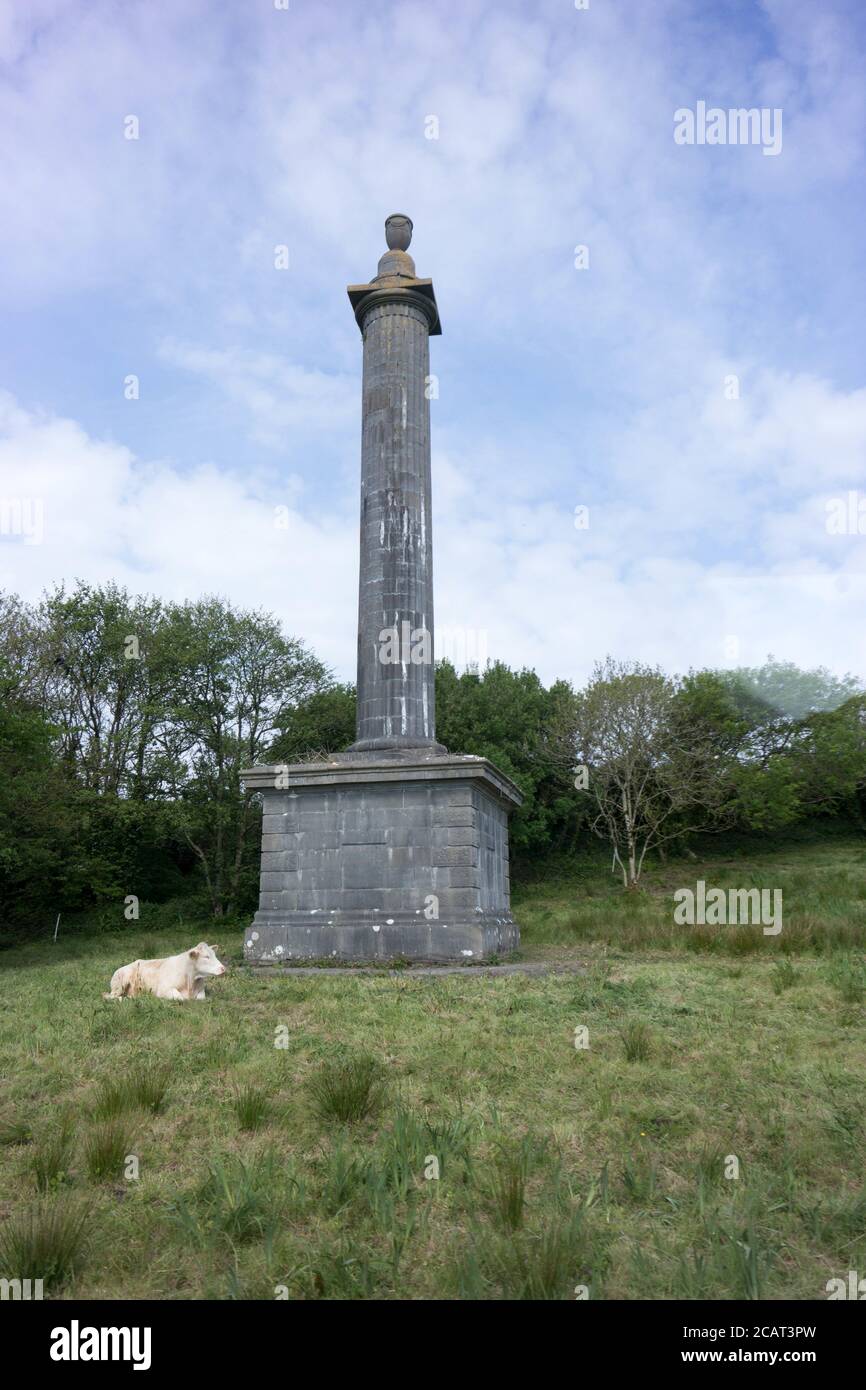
{"points": [[439, 894]]}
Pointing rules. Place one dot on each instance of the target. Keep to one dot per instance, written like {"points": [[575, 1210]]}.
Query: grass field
{"points": [[287, 1133]]}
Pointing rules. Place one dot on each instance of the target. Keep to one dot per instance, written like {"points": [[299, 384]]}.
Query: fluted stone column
{"points": [[396, 313]]}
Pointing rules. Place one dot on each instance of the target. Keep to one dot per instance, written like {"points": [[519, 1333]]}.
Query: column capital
{"points": [[396, 289]]}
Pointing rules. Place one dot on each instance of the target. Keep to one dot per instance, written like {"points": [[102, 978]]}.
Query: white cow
{"points": [[176, 977]]}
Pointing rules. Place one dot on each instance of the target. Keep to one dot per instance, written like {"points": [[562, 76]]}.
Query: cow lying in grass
{"points": [[176, 977]]}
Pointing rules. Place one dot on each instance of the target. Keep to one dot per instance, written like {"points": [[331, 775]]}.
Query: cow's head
{"points": [[205, 958]]}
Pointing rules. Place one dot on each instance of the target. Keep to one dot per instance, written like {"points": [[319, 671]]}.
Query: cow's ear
{"points": [[193, 954]]}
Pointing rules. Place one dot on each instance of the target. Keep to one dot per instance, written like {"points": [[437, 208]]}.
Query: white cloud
{"points": [[545, 594], [179, 535], [280, 399]]}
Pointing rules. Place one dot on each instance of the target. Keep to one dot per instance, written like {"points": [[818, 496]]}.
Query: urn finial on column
{"points": [[398, 231], [396, 263], [396, 271]]}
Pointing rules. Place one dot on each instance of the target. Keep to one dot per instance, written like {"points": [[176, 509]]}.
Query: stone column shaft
{"points": [[396, 313], [395, 609]]}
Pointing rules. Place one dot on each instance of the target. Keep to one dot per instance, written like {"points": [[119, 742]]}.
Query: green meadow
{"points": [[676, 1113]]}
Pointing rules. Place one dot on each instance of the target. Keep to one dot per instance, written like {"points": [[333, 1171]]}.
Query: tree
{"points": [[829, 759], [795, 740], [321, 724], [650, 776], [235, 681], [126, 724], [34, 808], [506, 716], [96, 680], [783, 690]]}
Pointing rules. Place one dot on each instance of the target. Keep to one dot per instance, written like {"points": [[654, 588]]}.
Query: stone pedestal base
{"points": [[404, 858]]}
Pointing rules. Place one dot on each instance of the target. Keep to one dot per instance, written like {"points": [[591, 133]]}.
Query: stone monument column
{"points": [[395, 848], [396, 313]]}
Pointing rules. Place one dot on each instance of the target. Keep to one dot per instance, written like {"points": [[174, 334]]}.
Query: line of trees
{"points": [[662, 758], [125, 723]]}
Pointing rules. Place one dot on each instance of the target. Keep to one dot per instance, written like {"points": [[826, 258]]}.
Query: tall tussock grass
{"points": [[349, 1089], [142, 1088], [105, 1149], [52, 1157], [46, 1241]]}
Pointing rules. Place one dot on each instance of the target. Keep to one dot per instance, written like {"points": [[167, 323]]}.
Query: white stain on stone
{"points": [[467, 953], [389, 921], [376, 927]]}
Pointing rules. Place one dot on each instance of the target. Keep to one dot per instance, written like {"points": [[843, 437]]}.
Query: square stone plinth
{"points": [[374, 860]]}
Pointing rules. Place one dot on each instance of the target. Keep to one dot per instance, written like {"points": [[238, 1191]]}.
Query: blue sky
{"points": [[604, 387]]}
